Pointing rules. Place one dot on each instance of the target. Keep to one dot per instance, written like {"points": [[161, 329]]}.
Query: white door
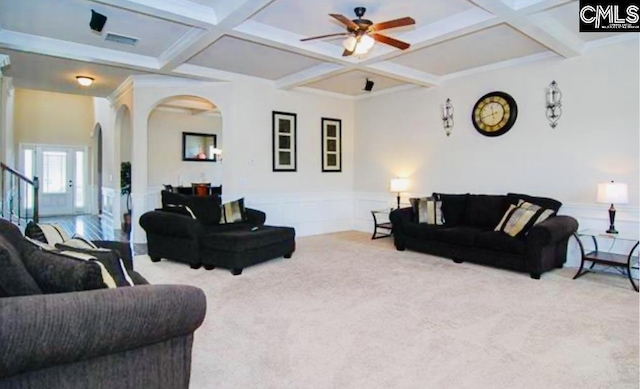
{"points": [[62, 173]]}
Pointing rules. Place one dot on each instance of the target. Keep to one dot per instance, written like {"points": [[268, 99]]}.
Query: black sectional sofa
{"points": [[468, 233]]}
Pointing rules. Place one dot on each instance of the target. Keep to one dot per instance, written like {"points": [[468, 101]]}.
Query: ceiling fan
{"points": [[362, 33]]}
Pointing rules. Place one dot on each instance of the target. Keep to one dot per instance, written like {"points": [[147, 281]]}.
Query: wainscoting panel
{"points": [[108, 197], [316, 213]]}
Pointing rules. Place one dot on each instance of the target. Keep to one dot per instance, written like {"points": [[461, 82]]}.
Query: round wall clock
{"points": [[494, 114]]}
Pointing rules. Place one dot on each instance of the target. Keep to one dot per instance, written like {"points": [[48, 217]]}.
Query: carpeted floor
{"points": [[348, 312]]}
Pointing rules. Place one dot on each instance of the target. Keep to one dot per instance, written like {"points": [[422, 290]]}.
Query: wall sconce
{"points": [[217, 154], [554, 104], [447, 116]]}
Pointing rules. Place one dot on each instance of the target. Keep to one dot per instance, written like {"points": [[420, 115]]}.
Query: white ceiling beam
{"points": [[285, 40], [533, 6], [312, 74], [76, 51], [209, 74], [403, 73], [496, 7], [232, 13], [188, 46], [550, 33], [181, 11]]}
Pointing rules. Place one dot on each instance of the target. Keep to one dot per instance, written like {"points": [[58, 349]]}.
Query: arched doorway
{"points": [[123, 141], [167, 121]]}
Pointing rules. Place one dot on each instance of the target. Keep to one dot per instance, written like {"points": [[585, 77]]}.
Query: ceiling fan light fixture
{"points": [[84, 80], [350, 43]]}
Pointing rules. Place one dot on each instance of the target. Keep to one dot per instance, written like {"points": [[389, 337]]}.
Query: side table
{"points": [[597, 257], [386, 226]]}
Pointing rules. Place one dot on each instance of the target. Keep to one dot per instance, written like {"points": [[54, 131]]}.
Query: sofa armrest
{"points": [[255, 217], [121, 247], [171, 224], [400, 217], [551, 231], [52, 329]]}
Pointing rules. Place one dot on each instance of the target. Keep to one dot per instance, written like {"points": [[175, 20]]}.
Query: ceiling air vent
{"points": [[122, 39]]}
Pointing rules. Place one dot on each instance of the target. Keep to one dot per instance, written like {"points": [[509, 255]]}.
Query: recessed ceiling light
{"points": [[84, 80]]}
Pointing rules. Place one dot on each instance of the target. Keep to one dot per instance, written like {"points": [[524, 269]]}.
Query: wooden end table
{"points": [[606, 258]]}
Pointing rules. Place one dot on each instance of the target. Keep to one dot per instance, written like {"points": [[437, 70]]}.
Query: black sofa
{"points": [[203, 241], [468, 233], [127, 337]]}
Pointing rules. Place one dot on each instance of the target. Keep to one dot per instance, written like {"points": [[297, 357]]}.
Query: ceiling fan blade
{"points": [[347, 53], [391, 41], [345, 20], [407, 21], [324, 36]]}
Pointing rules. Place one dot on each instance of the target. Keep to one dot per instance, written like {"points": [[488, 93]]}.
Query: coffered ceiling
{"points": [[49, 42]]}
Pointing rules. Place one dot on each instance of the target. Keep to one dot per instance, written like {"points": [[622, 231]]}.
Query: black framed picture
{"points": [[331, 145], [198, 147], [284, 142]]}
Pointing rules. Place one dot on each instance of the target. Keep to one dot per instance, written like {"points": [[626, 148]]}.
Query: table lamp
{"points": [[612, 193], [399, 185]]}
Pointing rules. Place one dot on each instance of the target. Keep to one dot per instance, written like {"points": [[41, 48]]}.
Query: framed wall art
{"points": [[284, 142], [331, 145]]}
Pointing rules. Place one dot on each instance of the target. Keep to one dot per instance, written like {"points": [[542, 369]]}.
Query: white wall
{"points": [[596, 139], [165, 148], [311, 201]]}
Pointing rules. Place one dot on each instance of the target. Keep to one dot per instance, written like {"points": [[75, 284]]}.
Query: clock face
{"points": [[494, 114]]}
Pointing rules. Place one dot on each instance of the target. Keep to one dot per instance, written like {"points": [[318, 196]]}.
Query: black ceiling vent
{"points": [[122, 39]]}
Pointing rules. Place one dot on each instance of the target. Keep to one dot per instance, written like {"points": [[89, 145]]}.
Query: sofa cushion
{"points": [[15, 279], [421, 230], [484, 211], [247, 238], [498, 241], [205, 208], [464, 236], [543, 202], [453, 207]]}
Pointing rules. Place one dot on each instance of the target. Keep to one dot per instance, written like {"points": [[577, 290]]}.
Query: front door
{"points": [[62, 173]]}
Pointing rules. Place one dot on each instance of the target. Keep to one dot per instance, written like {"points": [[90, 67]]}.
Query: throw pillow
{"points": [[47, 233], [517, 221], [543, 215], [15, 279], [57, 273], [428, 210], [233, 212], [453, 207], [109, 259]]}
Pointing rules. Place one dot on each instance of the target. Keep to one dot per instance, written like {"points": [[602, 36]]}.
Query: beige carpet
{"points": [[348, 312]]}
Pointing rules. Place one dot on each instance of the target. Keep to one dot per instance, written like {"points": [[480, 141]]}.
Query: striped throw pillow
{"points": [[428, 210], [518, 220], [233, 212], [46, 233]]}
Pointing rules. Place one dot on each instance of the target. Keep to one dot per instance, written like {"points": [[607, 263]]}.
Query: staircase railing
{"points": [[19, 196]]}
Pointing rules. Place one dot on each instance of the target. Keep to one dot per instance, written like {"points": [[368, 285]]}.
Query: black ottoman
{"points": [[239, 248]]}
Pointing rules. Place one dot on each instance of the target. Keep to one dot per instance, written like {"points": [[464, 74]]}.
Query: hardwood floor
{"points": [[92, 227]]}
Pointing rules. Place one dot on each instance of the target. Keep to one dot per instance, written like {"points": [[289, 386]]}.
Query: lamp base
{"points": [[398, 200], [612, 219]]}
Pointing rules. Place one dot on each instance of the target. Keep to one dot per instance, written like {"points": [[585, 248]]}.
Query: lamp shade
{"points": [[399, 185], [613, 193]]}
